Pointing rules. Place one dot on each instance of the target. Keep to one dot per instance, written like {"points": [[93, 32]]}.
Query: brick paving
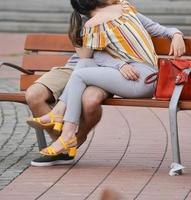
{"points": [[17, 140], [129, 151]]}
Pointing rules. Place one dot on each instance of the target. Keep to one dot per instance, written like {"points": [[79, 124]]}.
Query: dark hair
{"points": [[81, 7]]}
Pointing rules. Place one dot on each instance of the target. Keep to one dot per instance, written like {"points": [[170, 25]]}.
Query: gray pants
{"points": [[88, 73]]}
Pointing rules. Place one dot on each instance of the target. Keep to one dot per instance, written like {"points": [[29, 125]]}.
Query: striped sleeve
{"points": [[94, 38], [127, 7]]}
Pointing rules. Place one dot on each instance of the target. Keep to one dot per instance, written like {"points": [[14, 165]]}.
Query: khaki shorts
{"points": [[55, 80]]}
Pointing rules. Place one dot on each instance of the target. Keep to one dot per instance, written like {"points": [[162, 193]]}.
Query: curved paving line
{"points": [[9, 89], [17, 147], [187, 195], [12, 134], [120, 159], [67, 171], [27, 152], [14, 127], [164, 154], [21, 157], [2, 115]]}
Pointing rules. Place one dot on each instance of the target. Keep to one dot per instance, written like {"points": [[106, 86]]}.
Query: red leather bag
{"points": [[171, 74]]}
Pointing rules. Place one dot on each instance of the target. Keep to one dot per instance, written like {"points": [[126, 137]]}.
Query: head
{"points": [[83, 7]]}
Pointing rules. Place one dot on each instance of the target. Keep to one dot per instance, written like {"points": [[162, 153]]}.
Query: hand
{"points": [[177, 47], [129, 72]]}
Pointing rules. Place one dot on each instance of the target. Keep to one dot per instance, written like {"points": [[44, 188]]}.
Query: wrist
{"points": [[122, 65], [177, 34]]}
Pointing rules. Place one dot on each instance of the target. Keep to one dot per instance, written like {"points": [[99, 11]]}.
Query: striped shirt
{"points": [[124, 38]]}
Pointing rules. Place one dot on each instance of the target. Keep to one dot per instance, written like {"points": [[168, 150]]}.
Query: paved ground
{"points": [[128, 151], [17, 141]]}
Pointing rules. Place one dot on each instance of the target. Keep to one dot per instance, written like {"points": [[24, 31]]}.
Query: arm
{"points": [[84, 52], [104, 59], [155, 29]]}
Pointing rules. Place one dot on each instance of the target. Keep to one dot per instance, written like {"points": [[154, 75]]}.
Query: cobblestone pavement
{"points": [[17, 140]]}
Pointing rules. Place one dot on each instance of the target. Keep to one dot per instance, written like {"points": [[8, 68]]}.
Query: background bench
{"points": [[44, 51]]}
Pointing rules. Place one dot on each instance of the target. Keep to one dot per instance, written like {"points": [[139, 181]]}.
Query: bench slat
{"points": [[27, 80], [48, 42], [162, 45], [45, 62], [61, 42], [144, 103], [20, 98], [14, 97]]}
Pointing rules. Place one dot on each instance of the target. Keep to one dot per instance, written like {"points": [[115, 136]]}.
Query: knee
{"points": [[92, 99], [34, 96]]}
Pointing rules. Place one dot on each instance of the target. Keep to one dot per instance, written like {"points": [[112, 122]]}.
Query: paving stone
{"points": [[13, 133]]}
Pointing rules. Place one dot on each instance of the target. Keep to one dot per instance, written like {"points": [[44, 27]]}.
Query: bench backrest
{"points": [[44, 51]]}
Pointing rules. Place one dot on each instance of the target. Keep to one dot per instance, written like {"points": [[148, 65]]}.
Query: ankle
{"points": [[59, 109], [56, 112], [68, 135]]}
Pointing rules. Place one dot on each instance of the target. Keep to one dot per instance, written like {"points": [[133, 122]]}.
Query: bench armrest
{"points": [[16, 67]]}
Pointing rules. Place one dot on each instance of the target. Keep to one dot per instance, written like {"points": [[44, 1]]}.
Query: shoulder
{"points": [[104, 15], [94, 21]]}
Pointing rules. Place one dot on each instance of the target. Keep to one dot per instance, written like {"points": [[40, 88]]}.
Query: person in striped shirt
{"points": [[124, 56]]}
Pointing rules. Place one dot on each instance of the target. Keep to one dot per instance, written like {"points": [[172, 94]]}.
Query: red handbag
{"points": [[171, 74]]}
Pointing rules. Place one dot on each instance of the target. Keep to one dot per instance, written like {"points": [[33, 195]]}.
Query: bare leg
{"points": [[37, 96], [92, 111], [92, 99], [39, 106], [91, 114]]}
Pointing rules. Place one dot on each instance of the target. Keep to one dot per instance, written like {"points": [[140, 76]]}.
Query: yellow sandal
{"points": [[53, 123], [70, 147]]}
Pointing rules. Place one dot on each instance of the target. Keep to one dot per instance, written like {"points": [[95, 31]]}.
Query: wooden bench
{"points": [[44, 51]]}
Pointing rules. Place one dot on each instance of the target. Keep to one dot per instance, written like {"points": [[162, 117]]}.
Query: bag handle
{"points": [[151, 78]]}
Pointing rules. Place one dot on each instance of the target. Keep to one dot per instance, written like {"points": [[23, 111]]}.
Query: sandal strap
{"points": [[72, 140], [53, 117], [51, 150], [36, 119], [65, 144]]}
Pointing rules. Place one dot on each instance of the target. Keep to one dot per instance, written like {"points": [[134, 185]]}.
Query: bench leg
{"points": [[40, 139], [176, 167]]}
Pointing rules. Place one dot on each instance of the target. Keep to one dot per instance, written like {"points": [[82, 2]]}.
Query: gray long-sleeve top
{"points": [[155, 29], [104, 59]]}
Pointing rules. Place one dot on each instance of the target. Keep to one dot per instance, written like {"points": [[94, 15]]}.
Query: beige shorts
{"points": [[55, 80]]}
